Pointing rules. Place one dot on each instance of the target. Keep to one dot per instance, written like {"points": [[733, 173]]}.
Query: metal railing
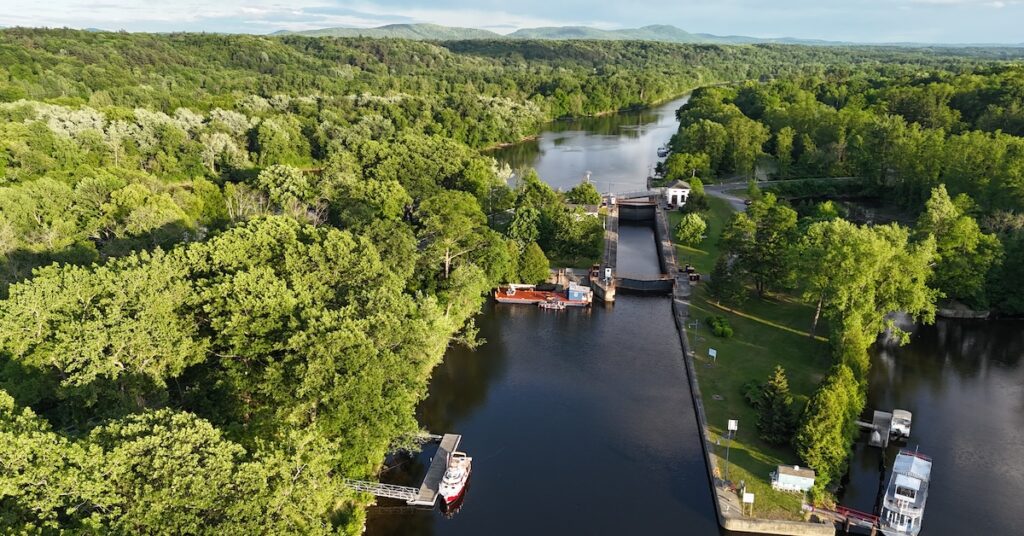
{"points": [[390, 491]]}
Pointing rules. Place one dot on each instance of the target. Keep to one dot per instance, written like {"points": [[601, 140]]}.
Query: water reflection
{"points": [[620, 149], [964, 382]]}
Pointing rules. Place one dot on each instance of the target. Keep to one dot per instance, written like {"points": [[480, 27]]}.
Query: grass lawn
{"points": [[704, 255], [768, 332]]}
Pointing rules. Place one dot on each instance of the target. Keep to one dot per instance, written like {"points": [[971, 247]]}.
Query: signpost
{"points": [[713, 354], [733, 426], [748, 498]]}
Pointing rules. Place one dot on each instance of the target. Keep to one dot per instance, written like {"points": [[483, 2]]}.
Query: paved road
{"points": [[719, 190]]}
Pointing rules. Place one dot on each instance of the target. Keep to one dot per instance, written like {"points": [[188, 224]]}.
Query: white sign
{"points": [[713, 354], [734, 425], [608, 274], [748, 498]]}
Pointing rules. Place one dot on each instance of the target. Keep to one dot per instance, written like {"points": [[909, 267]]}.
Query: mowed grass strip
{"points": [[767, 332]]}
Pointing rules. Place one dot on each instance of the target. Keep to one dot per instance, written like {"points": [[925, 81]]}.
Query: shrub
{"points": [[719, 326]]}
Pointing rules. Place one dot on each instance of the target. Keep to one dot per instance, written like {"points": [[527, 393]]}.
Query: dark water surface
{"points": [[579, 422], [964, 382]]}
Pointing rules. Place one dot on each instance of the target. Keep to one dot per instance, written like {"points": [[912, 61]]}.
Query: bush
{"points": [[719, 326]]}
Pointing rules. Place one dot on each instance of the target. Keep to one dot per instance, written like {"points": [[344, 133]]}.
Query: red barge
{"points": [[574, 296]]}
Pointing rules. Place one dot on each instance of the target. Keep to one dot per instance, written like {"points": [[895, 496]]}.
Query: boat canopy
{"points": [[908, 482]]}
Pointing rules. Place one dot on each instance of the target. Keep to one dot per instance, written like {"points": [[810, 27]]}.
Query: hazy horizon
{"points": [[870, 21]]}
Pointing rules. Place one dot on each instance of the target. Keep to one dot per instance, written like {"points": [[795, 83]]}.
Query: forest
{"points": [[942, 148], [230, 263]]}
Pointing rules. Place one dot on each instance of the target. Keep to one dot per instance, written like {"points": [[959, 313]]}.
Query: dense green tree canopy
{"points": [[230, 262]]}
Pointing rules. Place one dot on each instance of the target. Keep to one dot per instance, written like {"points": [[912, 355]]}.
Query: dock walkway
{"points": [[438, 465]]}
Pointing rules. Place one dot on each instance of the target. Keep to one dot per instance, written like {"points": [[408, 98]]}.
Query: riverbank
{"points": [[759, 345]]}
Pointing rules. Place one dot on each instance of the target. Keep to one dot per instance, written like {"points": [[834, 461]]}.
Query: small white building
{"points": [[677, 192], [793, 478]]}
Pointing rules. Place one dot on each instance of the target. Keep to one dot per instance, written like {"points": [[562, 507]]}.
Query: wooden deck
{"points": [[438, 465]]}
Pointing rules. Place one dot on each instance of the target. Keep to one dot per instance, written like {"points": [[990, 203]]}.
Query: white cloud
{"points": [[258, 15]]}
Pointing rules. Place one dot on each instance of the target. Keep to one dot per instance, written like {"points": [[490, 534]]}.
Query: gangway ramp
{"points": [[426, 494]]}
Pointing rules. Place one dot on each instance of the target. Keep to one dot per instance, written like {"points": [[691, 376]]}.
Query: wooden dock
{"points": [[438, 465], [426, 495]]}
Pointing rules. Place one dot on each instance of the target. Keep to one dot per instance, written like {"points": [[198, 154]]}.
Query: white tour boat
{"points": [[903, 506], [455, 477]]}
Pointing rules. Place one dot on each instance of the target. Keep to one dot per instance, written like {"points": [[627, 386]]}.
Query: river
{"points": [[579, 421], [619, 150]]}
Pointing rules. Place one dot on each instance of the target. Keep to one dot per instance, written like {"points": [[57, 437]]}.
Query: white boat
{"points": [[455, 477], [900, 427], [663, 152], [903, 506]]}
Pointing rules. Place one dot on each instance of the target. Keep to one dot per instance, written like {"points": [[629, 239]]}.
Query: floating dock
{"points": [[438, 465], [426, 494]]}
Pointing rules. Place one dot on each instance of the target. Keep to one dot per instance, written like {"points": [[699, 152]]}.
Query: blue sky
{"points": [[940, 21]]}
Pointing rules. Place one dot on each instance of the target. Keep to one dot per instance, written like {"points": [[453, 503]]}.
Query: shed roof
{"points": [[796, 470], [679, 183]]}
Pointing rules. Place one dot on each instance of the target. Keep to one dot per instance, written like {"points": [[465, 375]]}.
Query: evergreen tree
{"points": [[775, 420], [534, 266], [726, 283]]}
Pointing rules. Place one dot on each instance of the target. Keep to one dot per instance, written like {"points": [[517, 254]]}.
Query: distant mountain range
{"points": [[435, 32], [657, 32], [430, 32]]}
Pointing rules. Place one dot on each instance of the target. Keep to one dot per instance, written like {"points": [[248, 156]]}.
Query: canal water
{"points": [[964, 382], [578, 421]]}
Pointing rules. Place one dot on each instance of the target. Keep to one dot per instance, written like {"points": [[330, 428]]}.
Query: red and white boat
{"points": [[574, 296], [453, 485]]}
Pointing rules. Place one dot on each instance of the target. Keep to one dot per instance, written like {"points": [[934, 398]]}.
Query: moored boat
{"points": [[903, 505], [453, 485], [575, 296], [901, 421]]}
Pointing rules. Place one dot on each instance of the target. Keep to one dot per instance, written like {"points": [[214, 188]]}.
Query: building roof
{"points": [[587, 209], [679, 184], [796, 470]]}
